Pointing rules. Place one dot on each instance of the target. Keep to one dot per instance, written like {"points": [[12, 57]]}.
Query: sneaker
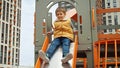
{"points": [[67, 58], [66, 65], [43, 56]]}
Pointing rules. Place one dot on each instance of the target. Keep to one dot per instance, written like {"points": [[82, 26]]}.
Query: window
{"points": [[11, 0], [7, 13], [4, 6], [5, 55], [109, 17], [2, 34], [1, 53], [108, 1], [108, 5], [104, 20], [105, 30], [6, 34], [110, 30], [103, 4], [116, 19], [114, 3], [13, 56], [109, 21]]}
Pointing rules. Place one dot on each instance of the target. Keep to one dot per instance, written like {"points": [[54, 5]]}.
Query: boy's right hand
{"points": [[75, 31], [48, 33]]}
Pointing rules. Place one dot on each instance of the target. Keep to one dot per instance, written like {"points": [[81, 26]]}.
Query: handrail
{"points": [[44, 48], [75, 52]]}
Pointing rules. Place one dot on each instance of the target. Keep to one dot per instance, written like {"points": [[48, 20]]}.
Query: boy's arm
{"points": [[51, 31]]}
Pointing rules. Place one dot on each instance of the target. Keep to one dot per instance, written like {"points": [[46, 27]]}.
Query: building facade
{"points": [[111, 18], [10, 26]]}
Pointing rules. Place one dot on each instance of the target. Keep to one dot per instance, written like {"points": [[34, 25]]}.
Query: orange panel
{"points": [[74, 17], [99, 11], [108, 36]]}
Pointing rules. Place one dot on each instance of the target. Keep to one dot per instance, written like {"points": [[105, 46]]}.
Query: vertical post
{"points": [[90, 59], [106, 54], [98, 55], [103, 62], [115, 46], [95, 52], [85, 63]]}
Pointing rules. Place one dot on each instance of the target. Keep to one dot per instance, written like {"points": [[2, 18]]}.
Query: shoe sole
{"points": [[66, 65], [67, 58], [43, 57]]}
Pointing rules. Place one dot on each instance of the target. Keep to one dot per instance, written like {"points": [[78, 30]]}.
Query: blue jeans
{"points": [[61, 41]]}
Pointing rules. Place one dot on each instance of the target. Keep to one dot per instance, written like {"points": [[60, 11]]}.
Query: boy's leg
{"points": [[45, 57], [65, 47], [52, 48]]}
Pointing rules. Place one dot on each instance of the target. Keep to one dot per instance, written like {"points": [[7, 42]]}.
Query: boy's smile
{"points": [[60, 15]]}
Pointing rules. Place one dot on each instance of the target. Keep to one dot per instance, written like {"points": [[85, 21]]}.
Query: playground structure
{"points": [[92, 48]]}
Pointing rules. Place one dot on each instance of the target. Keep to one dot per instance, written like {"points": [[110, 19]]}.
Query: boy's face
{"points": [[60, 15]]}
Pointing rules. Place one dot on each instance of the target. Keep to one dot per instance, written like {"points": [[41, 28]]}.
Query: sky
{"points": [[27, 26]]}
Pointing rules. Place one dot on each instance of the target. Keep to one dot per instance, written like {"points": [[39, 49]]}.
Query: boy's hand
{"points": [[75, 31], [48, 33]]}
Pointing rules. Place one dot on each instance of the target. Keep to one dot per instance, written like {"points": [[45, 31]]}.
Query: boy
{"points": [[63, 35]]}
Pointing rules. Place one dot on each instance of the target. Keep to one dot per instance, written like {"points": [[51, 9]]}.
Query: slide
{"points": [[55, 61]]}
